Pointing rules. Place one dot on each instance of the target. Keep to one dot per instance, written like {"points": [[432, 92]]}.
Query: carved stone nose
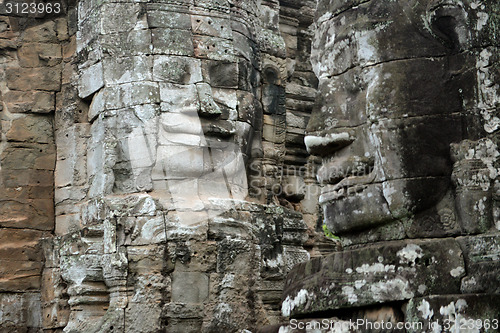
{"points": [[208, 107], [328, 143]]}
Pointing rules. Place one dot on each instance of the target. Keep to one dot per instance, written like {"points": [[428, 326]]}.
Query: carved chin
{"points": [[363, 210]]}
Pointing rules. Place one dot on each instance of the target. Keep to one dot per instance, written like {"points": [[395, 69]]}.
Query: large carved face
{"points": [[193, 145], [398, 85]]}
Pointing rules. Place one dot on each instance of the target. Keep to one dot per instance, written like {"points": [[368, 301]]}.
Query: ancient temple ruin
{"points": [[248, 165], [407, 124]]}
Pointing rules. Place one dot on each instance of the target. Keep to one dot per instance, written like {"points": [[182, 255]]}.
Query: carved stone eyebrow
{"points": [[335, 7]]}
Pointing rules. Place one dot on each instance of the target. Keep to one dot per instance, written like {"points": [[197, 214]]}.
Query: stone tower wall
{"points": [[35, 52]]}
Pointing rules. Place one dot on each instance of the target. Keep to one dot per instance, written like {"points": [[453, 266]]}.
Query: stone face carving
{"points": [[165, 120], [398, 85], [406, 122]]}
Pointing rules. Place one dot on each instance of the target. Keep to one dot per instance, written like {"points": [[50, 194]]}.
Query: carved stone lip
{"points": [[191, 141]]}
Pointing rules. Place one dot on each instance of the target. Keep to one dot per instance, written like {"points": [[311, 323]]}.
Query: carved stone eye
{"points": [[173, 69], [221, 74]]}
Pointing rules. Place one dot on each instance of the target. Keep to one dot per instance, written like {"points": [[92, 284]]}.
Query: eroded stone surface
{"points": [[31, 66], [397, 162], [395, 271], [408, 133]]}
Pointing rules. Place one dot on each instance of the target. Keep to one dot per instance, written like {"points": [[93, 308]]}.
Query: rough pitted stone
{"points": [[374, 274], [174, 69], [20, 311], [134, 42], [91, 80], [126, 16], [28, 128], [41, 78], [482, 255], [189, 287], [172, 42], [159, 17], [39, 55], [32, 101], [22, 259], [28, 213], [46, 32]]}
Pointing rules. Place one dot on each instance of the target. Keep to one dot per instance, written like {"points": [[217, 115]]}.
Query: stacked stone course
{"points": [[34, 55]]}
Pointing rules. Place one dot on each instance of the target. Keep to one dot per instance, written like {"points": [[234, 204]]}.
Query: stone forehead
{"points": [[334, 7], [327, 8], [214, 7], [226, 5]]}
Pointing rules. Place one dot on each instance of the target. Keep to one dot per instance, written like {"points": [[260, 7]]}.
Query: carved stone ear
{"points": [[448, 23]]}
